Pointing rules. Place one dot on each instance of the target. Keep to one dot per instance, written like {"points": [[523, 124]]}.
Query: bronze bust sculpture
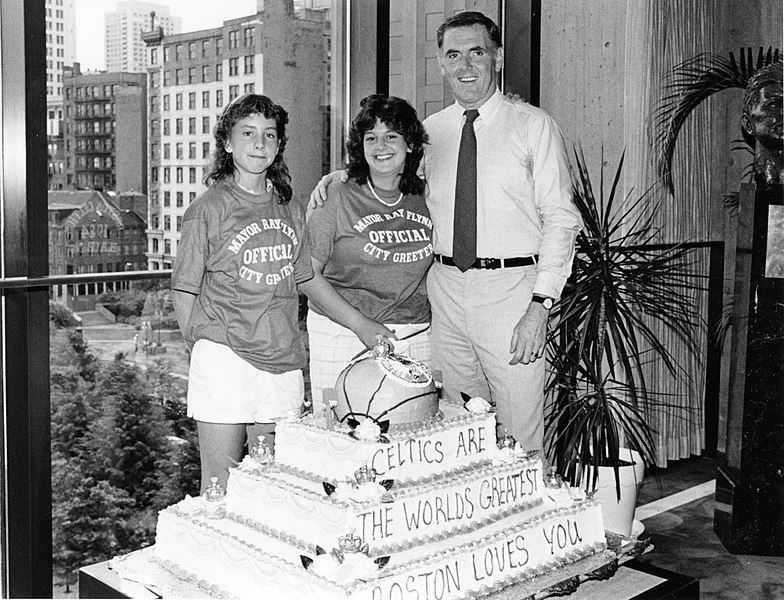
{"points": [[762, 122]]}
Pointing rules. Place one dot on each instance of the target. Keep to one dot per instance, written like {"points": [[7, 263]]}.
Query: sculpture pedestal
{"points": [[749, 514]]}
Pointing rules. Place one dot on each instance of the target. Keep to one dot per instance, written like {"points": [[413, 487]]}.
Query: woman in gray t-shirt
{"points": [[372, 242]]}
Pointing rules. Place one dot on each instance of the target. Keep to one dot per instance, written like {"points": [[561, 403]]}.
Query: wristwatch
{"points": [[545, 301]]}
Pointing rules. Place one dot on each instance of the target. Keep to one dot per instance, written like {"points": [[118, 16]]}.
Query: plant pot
{"points": [[619, 515]]}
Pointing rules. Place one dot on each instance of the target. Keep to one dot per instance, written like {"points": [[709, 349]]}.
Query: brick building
{"points": [[105, 130], [90, 233]]}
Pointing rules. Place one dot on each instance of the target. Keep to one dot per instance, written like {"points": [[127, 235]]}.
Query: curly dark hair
{"points": [[469, 19], [398, 115], [222, 164]]}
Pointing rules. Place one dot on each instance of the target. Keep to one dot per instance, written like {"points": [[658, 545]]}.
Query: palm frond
{"points": [[689, 84]]}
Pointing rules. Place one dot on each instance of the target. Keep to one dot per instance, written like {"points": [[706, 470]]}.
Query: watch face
{"points": [[544, 301]]}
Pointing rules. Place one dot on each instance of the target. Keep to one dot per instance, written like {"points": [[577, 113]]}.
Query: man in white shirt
{"points": [[489, 318], [487, 334]]}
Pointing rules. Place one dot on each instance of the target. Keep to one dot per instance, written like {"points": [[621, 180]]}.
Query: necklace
{"points": [[267, 185], [384, 202], [249, 191]]}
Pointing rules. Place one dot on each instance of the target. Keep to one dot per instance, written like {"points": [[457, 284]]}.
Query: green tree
{"points": [[180, 473], [72, 372], [61, 316], [71, 414], [68, 348], [122, 448], [87, 516], [125, 303], [129, 438]]}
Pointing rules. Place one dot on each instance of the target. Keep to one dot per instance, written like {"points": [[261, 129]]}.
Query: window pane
{"points": [[128, 331]]}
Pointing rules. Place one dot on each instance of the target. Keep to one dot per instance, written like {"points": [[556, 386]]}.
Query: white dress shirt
{"points": [[524, 190]]}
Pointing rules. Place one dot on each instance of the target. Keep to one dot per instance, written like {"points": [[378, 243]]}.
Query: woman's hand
{"points": [[368, 330]]}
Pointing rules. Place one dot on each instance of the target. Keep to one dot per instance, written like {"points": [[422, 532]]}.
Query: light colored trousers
{"points": [[473, 317]]}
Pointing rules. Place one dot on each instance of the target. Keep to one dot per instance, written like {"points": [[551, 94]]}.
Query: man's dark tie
{"points": [[464, 235]]}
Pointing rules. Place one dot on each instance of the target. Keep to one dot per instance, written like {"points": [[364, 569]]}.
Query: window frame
{"points": [[25, 430]]}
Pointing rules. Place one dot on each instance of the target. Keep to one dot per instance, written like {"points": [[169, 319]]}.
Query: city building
{"points": [[105, 130], [55, 161], [279, 52], [91, 232], [123, 27], [60, 51], [312, 4]]}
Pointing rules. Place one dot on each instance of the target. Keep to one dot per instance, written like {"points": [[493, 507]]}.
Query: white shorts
{"points": [[224, 388]]}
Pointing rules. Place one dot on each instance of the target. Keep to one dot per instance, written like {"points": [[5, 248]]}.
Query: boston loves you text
{"points": [[509, 556]]}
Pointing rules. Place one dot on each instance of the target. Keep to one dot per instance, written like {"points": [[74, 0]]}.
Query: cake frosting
{"points": [[452, 439], [431, 510], [391, 521], [219, 555]]}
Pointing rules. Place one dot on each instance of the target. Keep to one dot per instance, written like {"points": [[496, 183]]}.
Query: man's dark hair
{"points": [[469, 19]]}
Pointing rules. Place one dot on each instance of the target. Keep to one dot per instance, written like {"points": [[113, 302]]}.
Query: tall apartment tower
{"points": [[60, 51], [278, 52], [105, 130], [125, 49]]}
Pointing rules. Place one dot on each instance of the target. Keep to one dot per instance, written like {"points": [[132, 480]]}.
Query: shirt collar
{"points": [[244, 194], [487, 110]]}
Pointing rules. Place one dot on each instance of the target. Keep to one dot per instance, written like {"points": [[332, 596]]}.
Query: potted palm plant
{"points": [[624, 280]]}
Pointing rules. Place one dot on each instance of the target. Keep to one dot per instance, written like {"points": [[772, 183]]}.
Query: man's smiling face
{"points": [[469, 61]]}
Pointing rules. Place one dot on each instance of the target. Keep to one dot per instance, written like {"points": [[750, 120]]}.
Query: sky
{"points": [[195, 15]]}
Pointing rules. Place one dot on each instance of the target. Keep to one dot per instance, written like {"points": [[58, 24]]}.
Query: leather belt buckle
{"points": [[487, 263]]}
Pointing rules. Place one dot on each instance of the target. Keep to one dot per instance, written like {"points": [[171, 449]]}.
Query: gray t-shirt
{"points": [[242, 255], [376, 257]]}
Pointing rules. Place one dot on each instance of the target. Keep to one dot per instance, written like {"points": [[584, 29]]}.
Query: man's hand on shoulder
{"points": [[319, 196], [528, 338]]}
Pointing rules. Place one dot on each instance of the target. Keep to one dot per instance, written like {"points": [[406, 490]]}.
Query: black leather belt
{"points": [[492, 263]]}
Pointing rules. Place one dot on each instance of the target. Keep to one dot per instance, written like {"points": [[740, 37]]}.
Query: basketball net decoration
{"points": [[396, 368]]}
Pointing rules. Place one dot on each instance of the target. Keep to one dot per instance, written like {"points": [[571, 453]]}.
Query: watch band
{"points": [[545, 301]]}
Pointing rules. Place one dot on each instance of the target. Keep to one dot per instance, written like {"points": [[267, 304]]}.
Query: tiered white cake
{"points": [[461, 516]]}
